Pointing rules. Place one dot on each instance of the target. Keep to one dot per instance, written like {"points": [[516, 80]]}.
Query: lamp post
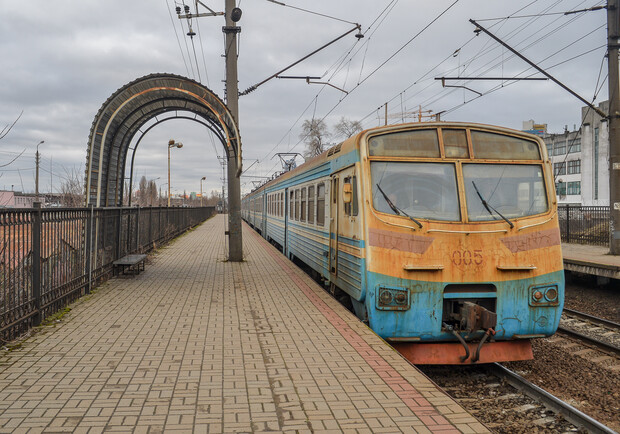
{"points": [[201, 179], [37, 160], [171, 144]]}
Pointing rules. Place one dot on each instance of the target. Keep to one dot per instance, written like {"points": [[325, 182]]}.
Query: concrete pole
{"points": [[613, 29], [235, 241], [169, 146]]}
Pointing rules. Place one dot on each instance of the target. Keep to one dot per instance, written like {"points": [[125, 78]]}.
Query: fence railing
{"points": [[51, 257], [584, 224]]}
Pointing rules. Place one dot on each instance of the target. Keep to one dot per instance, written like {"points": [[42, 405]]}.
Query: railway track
{"points": [[551, 402], [593, 331], [505, 410]]}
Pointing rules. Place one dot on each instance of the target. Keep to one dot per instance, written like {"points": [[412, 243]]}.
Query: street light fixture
{"points": [[201, 179], [37, 160], [171, 144]]}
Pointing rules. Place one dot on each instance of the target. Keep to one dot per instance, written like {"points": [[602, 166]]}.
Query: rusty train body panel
{"points": [[444, 235]]}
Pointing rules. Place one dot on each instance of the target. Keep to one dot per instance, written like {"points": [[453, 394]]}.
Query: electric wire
{"points": [[513, 33], [177, 36], [310, 12]]}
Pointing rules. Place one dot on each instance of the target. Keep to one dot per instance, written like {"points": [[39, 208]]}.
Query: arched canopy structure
{"points": [[123, 115]]}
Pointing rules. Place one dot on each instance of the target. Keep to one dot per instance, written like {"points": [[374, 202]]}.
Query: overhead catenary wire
{"points": [[512, 33], [177, 36]]}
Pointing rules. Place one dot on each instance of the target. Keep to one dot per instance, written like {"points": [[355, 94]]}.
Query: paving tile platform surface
{"points": [[594, 255], [199, 344]]}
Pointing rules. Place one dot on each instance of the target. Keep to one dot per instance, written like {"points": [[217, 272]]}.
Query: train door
{"points": [[286, 213], [333, 226]]}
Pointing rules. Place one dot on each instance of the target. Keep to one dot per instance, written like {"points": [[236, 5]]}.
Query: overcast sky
{"points": [[62, 59]]}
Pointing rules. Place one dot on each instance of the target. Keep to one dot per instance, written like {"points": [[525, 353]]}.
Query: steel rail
{"points": [[569, 412], [592, 341], [593, 319]]}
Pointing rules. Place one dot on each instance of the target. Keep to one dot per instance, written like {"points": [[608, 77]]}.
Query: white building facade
{"points": [[580, 159]]}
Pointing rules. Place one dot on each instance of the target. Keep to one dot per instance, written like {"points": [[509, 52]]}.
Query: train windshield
{"points": [[424, 190], [514, 190]]}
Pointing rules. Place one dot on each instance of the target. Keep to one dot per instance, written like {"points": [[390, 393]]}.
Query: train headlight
{"points": [[544, 295], [551, 294], [392, 298]]}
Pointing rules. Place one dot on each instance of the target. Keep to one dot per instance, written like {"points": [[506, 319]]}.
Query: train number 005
{"points": [[466, 257]]}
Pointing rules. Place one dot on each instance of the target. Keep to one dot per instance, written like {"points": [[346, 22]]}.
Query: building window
{"points": [[549, 149], [560, 188], [559, 168], [559, 148], [574, 166], [320, 204], [574, 145], [596, 163], [573, 188]]}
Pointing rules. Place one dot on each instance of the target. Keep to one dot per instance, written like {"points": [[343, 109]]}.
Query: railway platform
{"points": [[593, 260], [195, 343]]}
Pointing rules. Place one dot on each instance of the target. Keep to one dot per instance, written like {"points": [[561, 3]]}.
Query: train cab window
{"points": [[303, 205], [291, 205], [512, 190], [493, 146], [320, 204], [415, 143], [419, 190], [455, 144], [297, 205], [311, 204]]}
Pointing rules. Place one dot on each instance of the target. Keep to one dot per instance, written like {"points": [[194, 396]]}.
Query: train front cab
{"points": [[463, 248]]}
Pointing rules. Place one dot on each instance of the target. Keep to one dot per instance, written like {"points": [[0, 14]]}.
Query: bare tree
{"points": [[72, 189], [8, 128], [315, 134], [3, 134], [152, 193], [143, 191], [347, 128]]}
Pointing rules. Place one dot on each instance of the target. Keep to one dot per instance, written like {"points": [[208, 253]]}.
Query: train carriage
{"points": [[444, 236]]}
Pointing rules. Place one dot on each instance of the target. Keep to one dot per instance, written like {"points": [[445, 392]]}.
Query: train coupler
{"points": [[475, 317]]}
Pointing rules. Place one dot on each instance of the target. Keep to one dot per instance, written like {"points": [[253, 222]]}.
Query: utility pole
{"points": [[37, 158], [235, 243], [613, 33]]}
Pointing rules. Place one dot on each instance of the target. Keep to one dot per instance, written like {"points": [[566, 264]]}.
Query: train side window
{"points": [[291, 205], [297, 205], [303, 205], [320, 204], [311, 204]]}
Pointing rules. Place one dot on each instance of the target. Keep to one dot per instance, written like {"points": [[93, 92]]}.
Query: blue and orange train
{"points": [[444, 235]]}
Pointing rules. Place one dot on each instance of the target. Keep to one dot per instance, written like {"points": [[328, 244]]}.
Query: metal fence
{"points": [[50, 257], [584, 224]]}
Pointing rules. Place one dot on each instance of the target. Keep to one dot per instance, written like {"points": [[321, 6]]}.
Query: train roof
{"points": [[352, 143]]}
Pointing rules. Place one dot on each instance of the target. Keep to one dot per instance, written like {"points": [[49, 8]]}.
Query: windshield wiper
{"points": [[489, 207], [396, 209]]}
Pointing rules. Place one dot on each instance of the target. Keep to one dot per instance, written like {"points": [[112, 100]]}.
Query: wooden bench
{"points": [[131, 262]]}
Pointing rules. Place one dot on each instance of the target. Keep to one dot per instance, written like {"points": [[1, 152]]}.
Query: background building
{"points": [[580, 159]]}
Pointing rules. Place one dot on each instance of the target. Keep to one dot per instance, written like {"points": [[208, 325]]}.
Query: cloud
{"points": [[63, 59]]}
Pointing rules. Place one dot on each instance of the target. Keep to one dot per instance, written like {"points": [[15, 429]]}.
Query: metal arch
{"points": [[153, 109], [143, 133], [110, 123], [120, 151]]}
